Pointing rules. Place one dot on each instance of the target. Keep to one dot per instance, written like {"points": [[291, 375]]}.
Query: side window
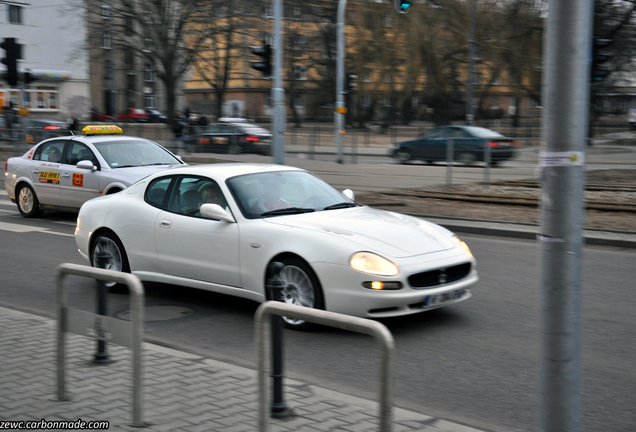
{"points": [[156, 192], [50, 152], [192, 192], [79, 152]]}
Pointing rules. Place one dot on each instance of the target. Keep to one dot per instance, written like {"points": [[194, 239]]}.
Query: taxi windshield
{"points": [[134, 152]]}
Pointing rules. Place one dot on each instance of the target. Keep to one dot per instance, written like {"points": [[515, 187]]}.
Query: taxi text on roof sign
{"points": [[102, 129]]}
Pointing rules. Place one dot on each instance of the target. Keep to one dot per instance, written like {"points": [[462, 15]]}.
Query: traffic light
{"points": [[403, 6], [350, 82], [10, 60], [598, 73], [29, 77], [265, 64]]}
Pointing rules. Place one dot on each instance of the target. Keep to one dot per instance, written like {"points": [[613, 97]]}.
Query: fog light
{"points": [[379, 285]]}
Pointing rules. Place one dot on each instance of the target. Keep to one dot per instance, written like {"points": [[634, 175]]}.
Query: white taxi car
{"points": [[64, 172]]}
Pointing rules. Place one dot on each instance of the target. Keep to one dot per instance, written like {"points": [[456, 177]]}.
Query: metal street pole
{"points": [[278, 92], [340, 102], [471, 62], [562, 162]]}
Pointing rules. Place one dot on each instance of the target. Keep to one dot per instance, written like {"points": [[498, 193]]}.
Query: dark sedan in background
{"points": [[469, 146], [40, 129], [233, 138]]}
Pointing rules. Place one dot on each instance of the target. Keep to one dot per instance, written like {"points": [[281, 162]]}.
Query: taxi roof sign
{"points": [[102, 129]]}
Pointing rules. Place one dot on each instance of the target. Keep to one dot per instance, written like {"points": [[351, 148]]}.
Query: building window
{"points": [[107, 41], [105, 10], [150, 100], [129, 58], [149, 74], [147, 45], [128, 26], [130, 82], [268, 11], [296, 12], [15, 14], [300, 72], [299, 43]]}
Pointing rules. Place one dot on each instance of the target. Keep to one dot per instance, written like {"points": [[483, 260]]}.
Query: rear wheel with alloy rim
{"points": [[301, 288], [28, 202], [108, 253]]}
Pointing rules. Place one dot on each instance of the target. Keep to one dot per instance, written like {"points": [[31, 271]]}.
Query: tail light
{"points": [[6, 167], [493, 143], [252, 138], [52, 127]]}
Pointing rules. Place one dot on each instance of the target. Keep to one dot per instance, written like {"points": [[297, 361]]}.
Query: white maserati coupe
{"points": [[219, 227]]}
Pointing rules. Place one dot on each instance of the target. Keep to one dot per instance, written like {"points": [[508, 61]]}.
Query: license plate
{"points": [[436, 299]]}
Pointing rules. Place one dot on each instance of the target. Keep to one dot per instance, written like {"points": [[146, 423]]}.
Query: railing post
{"points": [[449, 161]]}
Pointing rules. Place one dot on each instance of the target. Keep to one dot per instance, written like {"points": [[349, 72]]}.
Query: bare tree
{"points": [[144, 33], [221, 31]]}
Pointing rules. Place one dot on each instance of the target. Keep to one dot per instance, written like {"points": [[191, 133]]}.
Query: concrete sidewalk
{"points": [[181, 391]]}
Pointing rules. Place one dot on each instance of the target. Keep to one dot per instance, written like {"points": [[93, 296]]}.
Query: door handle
{"points": [[35, 171], [66, 175], [165, 224]]}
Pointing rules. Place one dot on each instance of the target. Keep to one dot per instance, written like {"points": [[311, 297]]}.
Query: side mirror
{"points": [[349, 194], [216, 212], [85, 164]]}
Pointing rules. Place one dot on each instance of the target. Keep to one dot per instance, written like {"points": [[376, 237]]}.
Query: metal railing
{"points": [[262, 323], [101, 327]]}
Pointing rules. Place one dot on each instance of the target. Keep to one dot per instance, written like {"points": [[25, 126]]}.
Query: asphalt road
{"points": [[474, 363]]}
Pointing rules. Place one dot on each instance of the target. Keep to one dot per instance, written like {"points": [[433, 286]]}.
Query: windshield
{"points": [[134, 152], [254, 130], [284, 192], [483, 132]]}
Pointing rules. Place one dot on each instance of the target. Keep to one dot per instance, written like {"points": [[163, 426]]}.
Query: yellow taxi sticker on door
{"points": [[49, 177]]}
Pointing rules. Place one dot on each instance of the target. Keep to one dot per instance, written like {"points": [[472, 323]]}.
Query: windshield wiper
{"points": [[341, 206], [286, 211]]}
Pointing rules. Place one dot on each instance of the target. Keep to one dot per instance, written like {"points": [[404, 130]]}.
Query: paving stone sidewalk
{"points": [[181, 391]]}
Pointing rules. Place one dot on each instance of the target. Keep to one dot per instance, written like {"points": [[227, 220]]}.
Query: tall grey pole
{"points": [[278, 92], [340, 102], [471, 62], [562, 160]]}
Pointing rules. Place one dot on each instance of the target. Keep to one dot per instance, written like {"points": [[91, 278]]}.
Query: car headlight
{"points": [[371, 263], [463, 245]]}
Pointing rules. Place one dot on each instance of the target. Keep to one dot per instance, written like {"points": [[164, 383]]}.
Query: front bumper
{"points": [[344, 291]]}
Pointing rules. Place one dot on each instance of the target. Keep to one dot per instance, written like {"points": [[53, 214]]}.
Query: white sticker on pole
{"points": [[561, 159]]}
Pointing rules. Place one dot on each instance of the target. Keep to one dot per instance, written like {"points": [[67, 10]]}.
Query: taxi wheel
{"points": [[301, 288], [108, 253], [28, 202]]}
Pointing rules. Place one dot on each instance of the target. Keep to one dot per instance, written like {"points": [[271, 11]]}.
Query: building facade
{"points": [[52, 42]]}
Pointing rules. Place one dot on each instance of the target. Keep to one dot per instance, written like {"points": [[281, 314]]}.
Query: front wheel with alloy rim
{"points": [[28, 202], [108, 253], [301, 288]]}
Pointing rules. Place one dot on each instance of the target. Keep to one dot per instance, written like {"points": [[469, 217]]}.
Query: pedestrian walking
{"points": [[177, 128]]}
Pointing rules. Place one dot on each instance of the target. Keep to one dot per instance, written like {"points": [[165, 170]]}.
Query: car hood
{"points": [[132, 174], [391, 234]]}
